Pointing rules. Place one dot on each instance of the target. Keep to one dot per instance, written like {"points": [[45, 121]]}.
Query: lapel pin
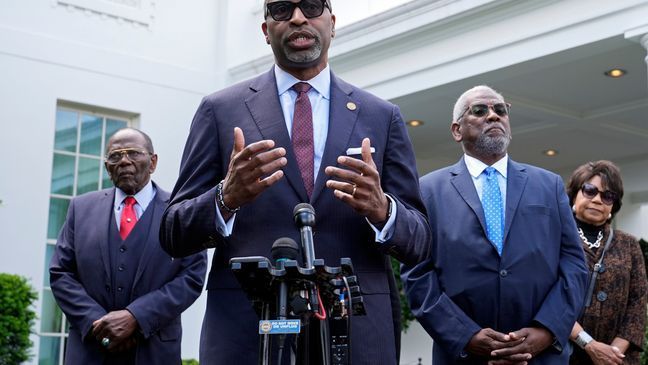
{"points": [[351, 106]]}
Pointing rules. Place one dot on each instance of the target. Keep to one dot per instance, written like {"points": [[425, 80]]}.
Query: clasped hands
{"points": [[257, 166], [514, 348], [118, 327]]}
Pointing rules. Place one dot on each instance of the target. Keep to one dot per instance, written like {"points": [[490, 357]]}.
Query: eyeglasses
{"points": [[283, 10], [607, 197], [133, 154], [480, 110]]}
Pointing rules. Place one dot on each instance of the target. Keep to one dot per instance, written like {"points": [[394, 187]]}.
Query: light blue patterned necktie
{"points": [[493, 211]]}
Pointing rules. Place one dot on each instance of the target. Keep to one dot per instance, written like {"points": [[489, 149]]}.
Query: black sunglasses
{"points": [[480, 110], [607, 197], [283, 10]]}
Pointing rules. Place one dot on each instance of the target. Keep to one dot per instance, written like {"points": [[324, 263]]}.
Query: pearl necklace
{"points": [[589, 244]]}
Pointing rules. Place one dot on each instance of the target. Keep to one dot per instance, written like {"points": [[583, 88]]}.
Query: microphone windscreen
{"points": [[285, 249], [304, 215]]}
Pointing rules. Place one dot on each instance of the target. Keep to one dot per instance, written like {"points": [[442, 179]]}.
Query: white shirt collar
{"points": [[321, 83], [476, 167], [143, 196]]}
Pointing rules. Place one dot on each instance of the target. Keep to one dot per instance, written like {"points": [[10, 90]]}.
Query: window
{"points": [[77, 168]]}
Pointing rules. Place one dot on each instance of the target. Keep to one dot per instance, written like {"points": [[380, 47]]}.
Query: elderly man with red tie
{"points": [[121, 293]]}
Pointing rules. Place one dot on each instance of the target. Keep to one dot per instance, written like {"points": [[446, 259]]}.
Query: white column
{"points": [[643, 40]]}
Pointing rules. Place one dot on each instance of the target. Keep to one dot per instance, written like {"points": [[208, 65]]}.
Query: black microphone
{"points": [[305, 220], [284, 249]]}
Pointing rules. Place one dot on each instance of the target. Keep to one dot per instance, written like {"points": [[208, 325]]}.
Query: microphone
{"points": [[305, 220], [284, 249]]}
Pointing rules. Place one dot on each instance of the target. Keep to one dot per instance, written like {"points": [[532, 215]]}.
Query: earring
{"points": [[574, 208], [610, 216]]}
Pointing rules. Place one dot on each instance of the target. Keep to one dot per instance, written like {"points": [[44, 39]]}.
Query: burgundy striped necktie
{"points": [[302, 135]]}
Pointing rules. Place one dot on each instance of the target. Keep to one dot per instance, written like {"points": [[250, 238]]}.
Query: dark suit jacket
{"points": [[465, 286], [189, 223], [80, 278]]}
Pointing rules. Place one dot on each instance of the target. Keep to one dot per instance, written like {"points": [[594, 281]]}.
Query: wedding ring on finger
{"points": [[105, 342], [354, 191]]}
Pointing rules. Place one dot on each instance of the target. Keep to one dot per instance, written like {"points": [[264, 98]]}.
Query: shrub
{"points": [[190, 362], [644, 248], [406, 312], [16, 318]]}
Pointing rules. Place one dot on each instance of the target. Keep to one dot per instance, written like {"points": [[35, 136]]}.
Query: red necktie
{"points": [[128, 217], [302, 135]]}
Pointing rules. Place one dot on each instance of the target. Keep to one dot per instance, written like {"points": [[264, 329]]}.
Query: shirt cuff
{"points": [[224, 228], [387, 231]]}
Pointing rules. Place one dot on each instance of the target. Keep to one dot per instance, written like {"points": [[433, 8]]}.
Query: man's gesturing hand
{"points": [[360, 185], [252, 169]]}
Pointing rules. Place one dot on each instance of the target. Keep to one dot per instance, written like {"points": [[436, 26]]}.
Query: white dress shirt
{"points": [[143, 198], [476, 167]]}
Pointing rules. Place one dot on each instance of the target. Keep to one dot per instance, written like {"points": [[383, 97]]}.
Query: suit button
{"points": [[120, 268], [120, 289], [108, 288], [601, 296], [463, 355], [122, 249], [503, 273]]}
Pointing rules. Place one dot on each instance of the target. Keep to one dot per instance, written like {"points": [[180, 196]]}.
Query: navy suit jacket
{"points": [[230, 327], [80, 278], [466, 286]]}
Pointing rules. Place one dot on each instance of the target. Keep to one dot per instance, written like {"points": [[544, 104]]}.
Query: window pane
{"points": [[112, 126], [49, 251], [66, 130], [63, 174], [106, 182], [49, 350], [57, 211], [88, 179], [51, 315], [91, 135]]}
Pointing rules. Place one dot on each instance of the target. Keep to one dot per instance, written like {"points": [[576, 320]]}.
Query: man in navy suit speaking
{"points": [[506, 276], [298, 134], [121, 293]]}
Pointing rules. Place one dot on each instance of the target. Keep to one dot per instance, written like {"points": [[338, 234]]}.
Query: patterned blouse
{"points": [[618, 307]]}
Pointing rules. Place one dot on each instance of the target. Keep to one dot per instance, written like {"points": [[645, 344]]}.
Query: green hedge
{"points": [[16, 319], [644, 248], [190, 362], [406, 312]]}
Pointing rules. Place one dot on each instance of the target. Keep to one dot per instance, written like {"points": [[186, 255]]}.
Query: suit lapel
{"points": [[341, 123], [462, 182], [265, 108], [516, 181], [105, 209], [152, 244]]}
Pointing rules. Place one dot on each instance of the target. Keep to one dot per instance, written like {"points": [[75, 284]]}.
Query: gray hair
{"points": [[148, 143], [461, 104]]}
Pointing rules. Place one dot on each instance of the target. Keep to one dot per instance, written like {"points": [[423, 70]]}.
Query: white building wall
{"points": [[50, 52]]}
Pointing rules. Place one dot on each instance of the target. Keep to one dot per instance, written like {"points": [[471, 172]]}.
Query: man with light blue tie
{"points": [[506, 277]]}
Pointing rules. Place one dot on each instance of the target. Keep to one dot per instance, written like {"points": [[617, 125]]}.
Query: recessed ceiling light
{"points": [[615, 73], [550, 152], [415, 123]]}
